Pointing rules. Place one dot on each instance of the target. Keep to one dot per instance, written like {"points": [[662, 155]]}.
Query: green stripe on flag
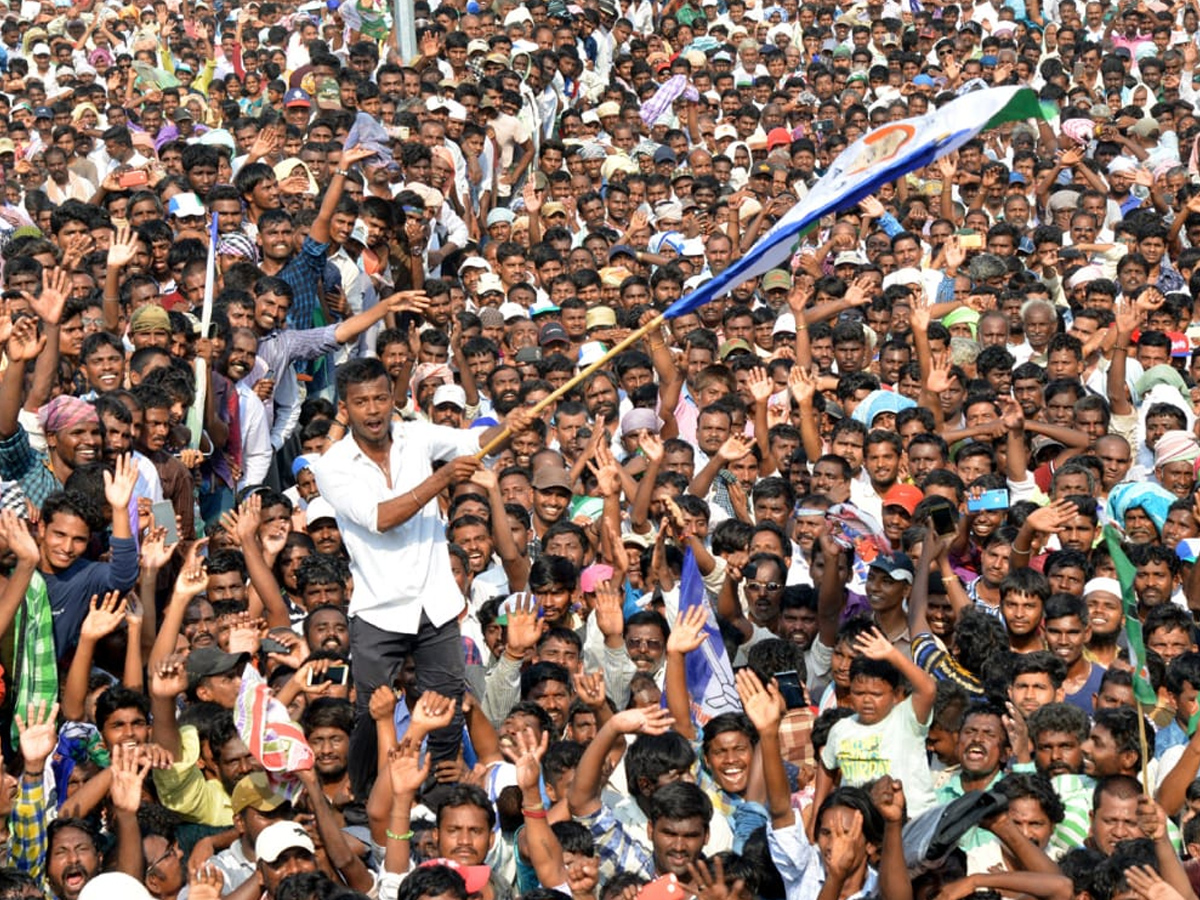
{"points": [[1126, 572], [1023, 105]]}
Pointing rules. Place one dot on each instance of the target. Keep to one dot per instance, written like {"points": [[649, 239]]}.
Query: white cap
{"points": [[1103, 585], [512, 310], [725, 131], [279, 837], [319, 508], [359, 232], [455, 111], [784, 324], [450, 393], [590, 352], [185, 206], [474, 262], [114, 884], [41, 50], [693, 247], [489, 281], [906, 276]]}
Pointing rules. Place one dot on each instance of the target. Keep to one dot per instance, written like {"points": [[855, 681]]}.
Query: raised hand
{"points": [[408, 301], [688, 633], [192, 579], [38, 735], [526, 754], [609, 610], [155, 552], [169, 678], [887, 794], [846, 843], [871, 207], [524, 627], [1143, 879], [432, 711], [874, 644], [352, 155], [382, 705], [760, 384], [24, 341], [56, 287], [649, 720], [803, 384], [1051, 519], [15, 533], [710, 884], [651, 446], [104, 617], [533, 203], [129, 771], [589, 688], [404, 765], [245, 634], [735, 447], [119, 485], [940, 376], [764, 705], [123, 248]]}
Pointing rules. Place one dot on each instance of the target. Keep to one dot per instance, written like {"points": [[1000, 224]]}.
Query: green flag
{"points": [[1126, 572]]}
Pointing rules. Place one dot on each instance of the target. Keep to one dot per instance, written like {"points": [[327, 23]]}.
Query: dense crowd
{"points": [[325, 575]]}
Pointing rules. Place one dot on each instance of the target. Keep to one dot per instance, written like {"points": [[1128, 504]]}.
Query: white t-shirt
{"points": [[893, 746]]}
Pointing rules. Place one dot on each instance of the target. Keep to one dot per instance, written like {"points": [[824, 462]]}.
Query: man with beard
{"points": [[504, 384], [983, 751], [235, 365], [1157, 577], [1067, 633], [199, 783], [1106, 613], [798, 615], [631, 646], [327, 724], [601, 397], [327, 628]]}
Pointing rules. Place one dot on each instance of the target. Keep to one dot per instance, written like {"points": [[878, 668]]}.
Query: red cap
{"points": [[1180, 345], [778, 137], [903, 495]]}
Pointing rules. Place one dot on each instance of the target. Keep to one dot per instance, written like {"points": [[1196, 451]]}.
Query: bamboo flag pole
{"points": [[633, 338], [1146, 786]]}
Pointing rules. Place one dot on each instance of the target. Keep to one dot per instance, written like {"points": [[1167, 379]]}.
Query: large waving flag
{"points": [[883, 155], [1126, 571], [709, 674]]}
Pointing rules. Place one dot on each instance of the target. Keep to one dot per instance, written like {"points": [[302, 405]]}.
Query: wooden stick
{"points": [[633, 338]]}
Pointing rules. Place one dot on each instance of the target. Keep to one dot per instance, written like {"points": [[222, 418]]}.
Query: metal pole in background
{"points": [[404, 23]]}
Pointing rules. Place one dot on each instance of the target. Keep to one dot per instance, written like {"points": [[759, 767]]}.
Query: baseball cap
{"points": [[489, 282], [278, 838], [778, 137], [297, 97], [1180, 345], [255, 791], [550, 477], [207, 661], [761, 170], [474, 262], [450, 394], [601, 317], [737, 345], [43, 112], [664, 154], [511, 310], [621, 250], [500, 214], [905, 496], [777, 279], [319, 508], [185, 206], [897, 566], [552, 333], [183, 114], [114, 884]]}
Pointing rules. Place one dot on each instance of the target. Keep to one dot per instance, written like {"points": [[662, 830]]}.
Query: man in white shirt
{"points": [[382, 485]]}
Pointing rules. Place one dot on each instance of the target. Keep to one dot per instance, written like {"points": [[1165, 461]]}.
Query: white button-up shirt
{"points": [[400, 573]]}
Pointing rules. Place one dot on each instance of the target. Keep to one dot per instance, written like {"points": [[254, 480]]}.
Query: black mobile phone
{"points": [[942, 517], [335, 674], [270, 645], [791, 689]]}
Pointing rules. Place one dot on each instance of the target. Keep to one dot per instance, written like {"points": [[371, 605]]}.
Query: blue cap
{"points": [[1017, 178], [297, 97], [43, 112], [923, 81], [987, 60]]}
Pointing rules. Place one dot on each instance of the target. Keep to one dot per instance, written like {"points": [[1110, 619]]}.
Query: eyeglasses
{"points": [[643, 644], [769, 587], [152, 868]]}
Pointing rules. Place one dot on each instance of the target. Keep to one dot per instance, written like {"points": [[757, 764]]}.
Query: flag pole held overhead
{"points": [[875, 159]]}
